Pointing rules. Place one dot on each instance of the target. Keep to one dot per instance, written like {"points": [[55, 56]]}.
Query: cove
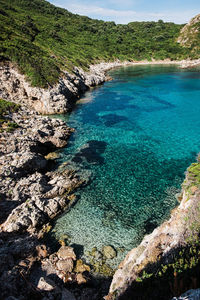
{"points": [[135, 136]]}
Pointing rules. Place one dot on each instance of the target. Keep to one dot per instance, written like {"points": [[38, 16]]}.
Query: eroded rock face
{"points": [[156, 247], [189, 33], [53, 100], [56, 99]]}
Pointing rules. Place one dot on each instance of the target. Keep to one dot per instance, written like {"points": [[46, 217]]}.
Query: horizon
{"points": [[126, 11]]}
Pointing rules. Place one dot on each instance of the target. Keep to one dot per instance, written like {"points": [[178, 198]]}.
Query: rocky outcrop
{"points": [[30, 194], [190, 64], [189, 33], [160, 246], [55, 99], [189, 37]]}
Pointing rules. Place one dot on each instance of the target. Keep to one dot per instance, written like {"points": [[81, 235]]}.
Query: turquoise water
{"points": [[137, 134]]}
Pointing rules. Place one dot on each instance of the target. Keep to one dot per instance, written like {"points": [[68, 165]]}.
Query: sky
{"points": [[125, 11]]}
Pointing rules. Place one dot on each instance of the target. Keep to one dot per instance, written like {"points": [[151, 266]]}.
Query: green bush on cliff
{"points": [[7, 108], [43, 40]]}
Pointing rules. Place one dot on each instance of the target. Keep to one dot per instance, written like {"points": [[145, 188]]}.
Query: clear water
{"points": [[137, 134]]}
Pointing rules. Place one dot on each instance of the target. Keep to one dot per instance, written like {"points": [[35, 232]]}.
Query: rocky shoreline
{"points": [[61, 98], [32, 194]]}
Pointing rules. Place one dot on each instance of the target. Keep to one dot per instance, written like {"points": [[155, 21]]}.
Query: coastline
{"points": [[37, 195], [62, 97]]}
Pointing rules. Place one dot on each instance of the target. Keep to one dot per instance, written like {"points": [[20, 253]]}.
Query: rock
{"points": [[46, 284], [96, 254], [65, 265], [66, 252], [49, 199], [109, 252], [81, 267], [189, 295], [57, 99], [194, 188], [80, 279], [52, 156], [21, 163], [42, 251]]}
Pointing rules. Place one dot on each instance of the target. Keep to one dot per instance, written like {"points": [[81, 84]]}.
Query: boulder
{"points": [[46, 284], [65, 265], [66, 252], [81, 267], [109, 252], [80, 279]]}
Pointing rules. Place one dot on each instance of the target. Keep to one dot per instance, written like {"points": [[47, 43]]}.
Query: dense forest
{"points": [[43, 40]]}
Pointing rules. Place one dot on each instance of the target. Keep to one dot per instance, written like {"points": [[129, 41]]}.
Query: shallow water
{"points": [[137, 134]]}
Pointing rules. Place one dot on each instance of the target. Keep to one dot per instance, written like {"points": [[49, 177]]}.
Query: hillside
{"points": [[190, 36], [43, 40]]}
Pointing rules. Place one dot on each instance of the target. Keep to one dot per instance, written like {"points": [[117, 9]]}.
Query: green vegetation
{"points": [[43, 40], [171, 279], [185, 260], [194, 173], [192, 183], [6, 108]]}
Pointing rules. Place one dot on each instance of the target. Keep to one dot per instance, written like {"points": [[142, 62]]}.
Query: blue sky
{"points": [[124, 11]]}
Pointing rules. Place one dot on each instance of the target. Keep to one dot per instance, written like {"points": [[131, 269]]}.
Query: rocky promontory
{"points": [[31, 192]]}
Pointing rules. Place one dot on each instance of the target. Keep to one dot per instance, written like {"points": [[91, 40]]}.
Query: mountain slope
{"points": [[190, 36], [43, 39]]}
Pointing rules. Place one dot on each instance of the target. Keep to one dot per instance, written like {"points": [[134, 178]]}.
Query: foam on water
{"points": [[137, 134]]}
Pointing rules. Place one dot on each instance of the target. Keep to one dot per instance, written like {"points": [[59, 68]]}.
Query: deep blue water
{"points": [[137, 134]]}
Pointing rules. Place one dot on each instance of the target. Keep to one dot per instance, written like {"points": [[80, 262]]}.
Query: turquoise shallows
{"points": [[137, 134]]}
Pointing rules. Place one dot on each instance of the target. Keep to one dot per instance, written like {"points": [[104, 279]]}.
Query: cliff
{"points": [[190, 36], [59, 98]]}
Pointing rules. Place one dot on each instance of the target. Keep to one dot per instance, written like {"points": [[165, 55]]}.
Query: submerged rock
{"points": [[109, 252], [81, 267]]}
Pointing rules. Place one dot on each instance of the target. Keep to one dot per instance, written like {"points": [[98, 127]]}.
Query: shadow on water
{"points": [[91, 152], [112, 119]]}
